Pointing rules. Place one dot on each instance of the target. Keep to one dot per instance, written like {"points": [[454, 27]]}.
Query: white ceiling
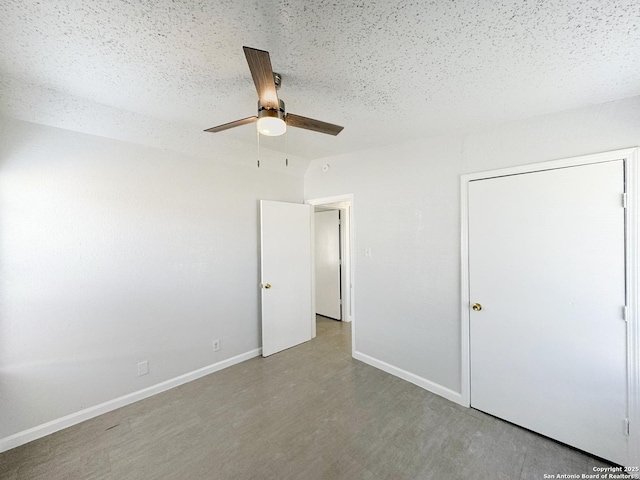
{"points": [[387, 71]]}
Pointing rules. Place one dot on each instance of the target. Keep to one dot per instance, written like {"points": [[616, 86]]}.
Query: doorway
{"points": [[328, 262], [340, 289]]}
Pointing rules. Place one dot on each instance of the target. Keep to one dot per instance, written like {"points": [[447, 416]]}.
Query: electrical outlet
{"points": [[216, 345], [143, 368]]}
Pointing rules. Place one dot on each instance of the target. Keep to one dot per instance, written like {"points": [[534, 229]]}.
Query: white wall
{"points": [[407, 210], [112, 253]]}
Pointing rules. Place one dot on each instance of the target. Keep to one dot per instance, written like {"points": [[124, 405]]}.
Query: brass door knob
{"points": [[267, 285], [476, 307]]}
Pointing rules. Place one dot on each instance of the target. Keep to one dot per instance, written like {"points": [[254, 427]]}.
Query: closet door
{"points": [[547, 285]]}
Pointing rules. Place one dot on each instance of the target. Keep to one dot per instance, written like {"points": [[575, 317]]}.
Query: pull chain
{"points": [[286, 149], [258, 135]]}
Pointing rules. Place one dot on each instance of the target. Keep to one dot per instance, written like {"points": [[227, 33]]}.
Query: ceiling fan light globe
{"points": [[271, 126]]}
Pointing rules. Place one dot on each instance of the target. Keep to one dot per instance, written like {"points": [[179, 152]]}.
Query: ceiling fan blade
{"points": [[311, 124], [226, 126], [262, 73]]}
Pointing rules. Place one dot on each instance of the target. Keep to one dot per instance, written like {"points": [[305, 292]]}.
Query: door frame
{"points": [[345, 203], [632, 259]]}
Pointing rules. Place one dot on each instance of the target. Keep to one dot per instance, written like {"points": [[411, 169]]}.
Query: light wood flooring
{"points": [[311, 412]]}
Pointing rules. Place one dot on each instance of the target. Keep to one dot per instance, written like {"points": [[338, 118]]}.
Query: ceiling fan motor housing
{"points": [[269, 112]]}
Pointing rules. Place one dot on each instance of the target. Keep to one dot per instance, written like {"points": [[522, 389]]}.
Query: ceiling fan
{"points": [[272, 119]]}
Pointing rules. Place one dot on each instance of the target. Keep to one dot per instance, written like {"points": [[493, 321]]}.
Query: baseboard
{"points": [[433, 387], [53, 426]]}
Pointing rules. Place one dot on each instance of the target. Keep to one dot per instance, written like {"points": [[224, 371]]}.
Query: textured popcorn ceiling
{"points": [[386, 71]]}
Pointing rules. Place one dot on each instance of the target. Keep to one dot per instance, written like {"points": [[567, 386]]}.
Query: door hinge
{"points": [[624, 200], [626, 427], [624, 313]]}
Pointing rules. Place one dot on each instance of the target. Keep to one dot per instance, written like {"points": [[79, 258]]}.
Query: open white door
{"points": [[285, 247], [327, 231], [547, 285]]}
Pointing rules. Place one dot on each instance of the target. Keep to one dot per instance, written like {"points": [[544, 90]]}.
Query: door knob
{"points": [[267, 285], [476, 307]]}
